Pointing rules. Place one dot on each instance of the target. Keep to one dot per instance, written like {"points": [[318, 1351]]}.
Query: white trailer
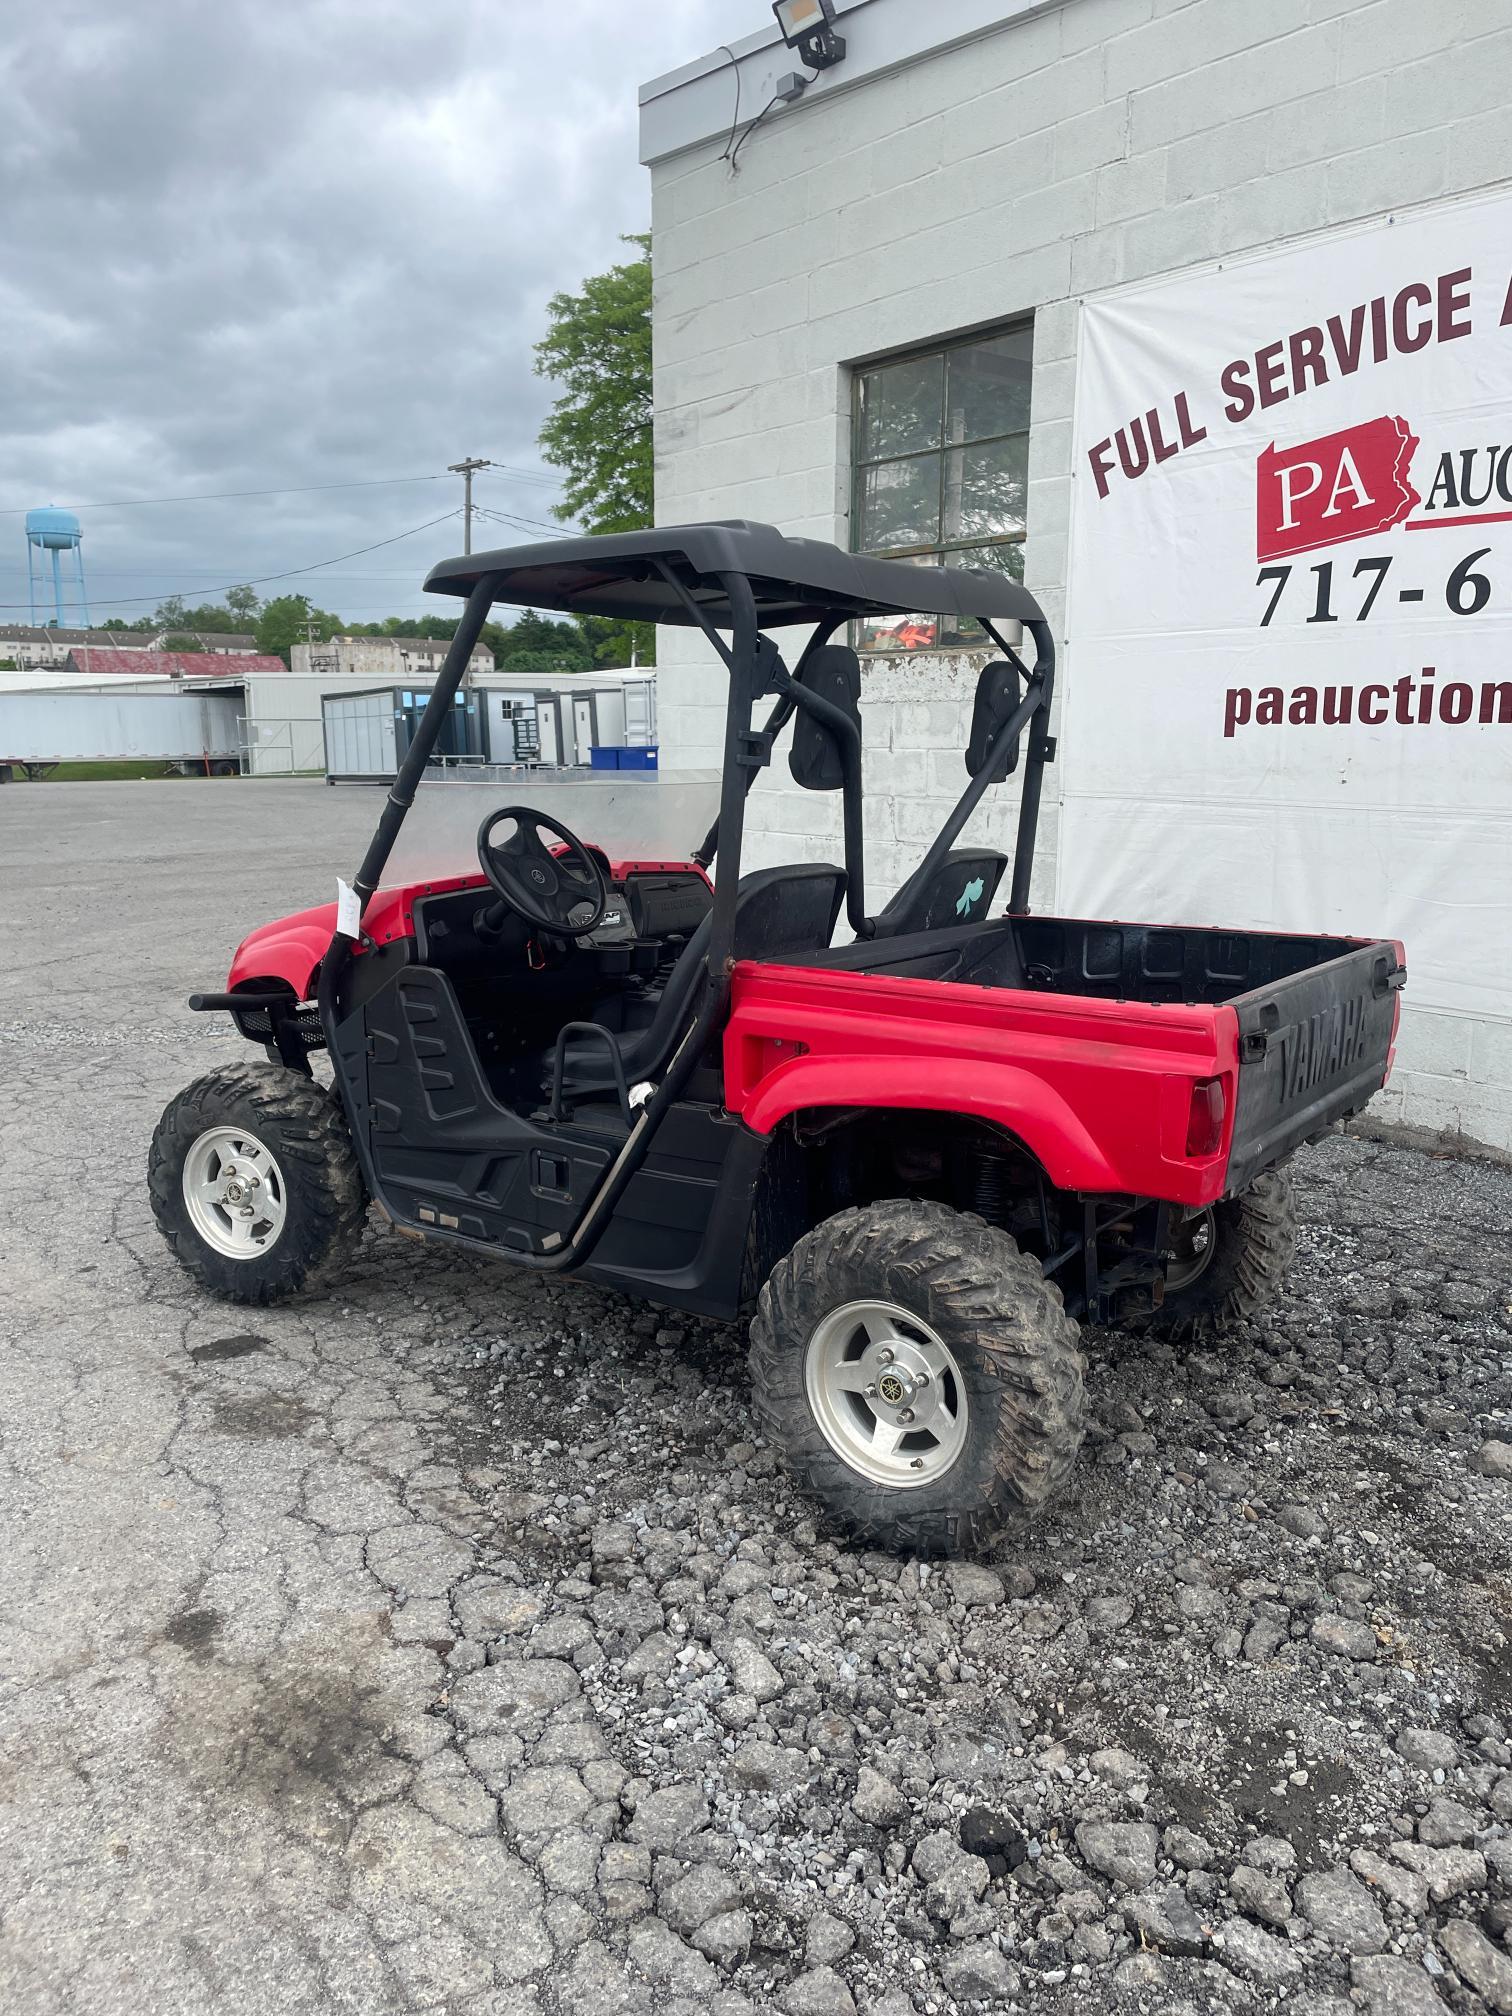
{"points": [[198, 729]]}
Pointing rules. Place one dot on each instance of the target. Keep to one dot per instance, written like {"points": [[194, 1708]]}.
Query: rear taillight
{"points": [[1205, 1118]]}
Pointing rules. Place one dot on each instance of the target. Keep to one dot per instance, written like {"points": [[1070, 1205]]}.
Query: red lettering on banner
{"points": [[1342, 486]]}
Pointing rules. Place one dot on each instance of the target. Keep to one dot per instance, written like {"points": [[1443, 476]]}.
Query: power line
{"points": [[560, 530], [513, 470], [288, 574], [217, 496]]}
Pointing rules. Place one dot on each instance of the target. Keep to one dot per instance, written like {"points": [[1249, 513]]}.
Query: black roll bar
{"points": [[773, 726], [402, 792], [847, 738], [1033, 708], [401, 796], [1034, 769], [741, 659]]}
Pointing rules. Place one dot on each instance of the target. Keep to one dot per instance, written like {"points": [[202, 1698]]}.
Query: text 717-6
{"points": [[1466, 592]]}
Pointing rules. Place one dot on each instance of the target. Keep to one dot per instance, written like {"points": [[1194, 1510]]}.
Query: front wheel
{"points": [[919, 1374], [254, 1182], [1227, 1262]]}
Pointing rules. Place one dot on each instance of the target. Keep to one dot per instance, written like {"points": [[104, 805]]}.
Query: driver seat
{"points": [[779, 912]]}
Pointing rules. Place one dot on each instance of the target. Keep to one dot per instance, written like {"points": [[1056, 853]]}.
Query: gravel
{"points": [[1479, 1964], [1341, 1910], [456, 1635]]}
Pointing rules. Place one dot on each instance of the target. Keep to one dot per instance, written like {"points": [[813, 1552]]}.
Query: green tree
{"points": [[283, 622], [211, 619], [550, 646], [172, 613], [540, 665], [597, 347], [613, 645], [243, 605]]}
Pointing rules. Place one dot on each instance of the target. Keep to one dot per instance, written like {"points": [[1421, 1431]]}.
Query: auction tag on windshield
{"points": [[348, 910]]}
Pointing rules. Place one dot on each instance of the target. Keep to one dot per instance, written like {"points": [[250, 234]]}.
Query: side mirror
{"points": [[998, 695], [833, 674]]}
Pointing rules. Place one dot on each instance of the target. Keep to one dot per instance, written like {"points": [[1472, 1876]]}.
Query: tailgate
{"points": [[1312, 1050]]}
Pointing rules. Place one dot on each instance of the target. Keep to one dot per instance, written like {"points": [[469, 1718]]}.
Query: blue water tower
{"points": [[54, 532]]}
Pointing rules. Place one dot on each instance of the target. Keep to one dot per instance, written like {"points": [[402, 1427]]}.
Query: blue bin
{"points": [[604, 759], [638, 759]]}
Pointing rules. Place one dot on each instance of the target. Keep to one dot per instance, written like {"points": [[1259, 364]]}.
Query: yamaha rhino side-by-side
{"points": [[918, 1152]]}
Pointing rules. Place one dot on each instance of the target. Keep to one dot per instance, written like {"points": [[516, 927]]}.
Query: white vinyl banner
{"points": [[1290, 599]]}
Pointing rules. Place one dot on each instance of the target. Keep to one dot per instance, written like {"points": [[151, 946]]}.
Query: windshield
{"points": [[634, 817]]}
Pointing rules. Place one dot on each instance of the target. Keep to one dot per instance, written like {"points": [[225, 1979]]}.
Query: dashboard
{"points": [[648, 915]]}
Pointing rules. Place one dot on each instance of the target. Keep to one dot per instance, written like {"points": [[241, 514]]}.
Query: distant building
{"points": [[384, 660], [89, 662], [33, 648]]}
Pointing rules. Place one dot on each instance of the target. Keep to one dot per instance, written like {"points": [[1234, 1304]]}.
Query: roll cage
{"points": [[736, 581]]}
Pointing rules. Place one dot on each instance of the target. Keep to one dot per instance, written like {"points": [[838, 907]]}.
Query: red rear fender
{"points": [[1001, 1093]]}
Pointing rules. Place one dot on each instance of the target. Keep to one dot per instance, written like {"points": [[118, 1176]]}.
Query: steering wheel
{"points": [[545, 888]]}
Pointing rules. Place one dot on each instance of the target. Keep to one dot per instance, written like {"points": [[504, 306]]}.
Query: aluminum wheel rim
{"points": [[888, 1396], [234, 1193], [1196, 1243]]}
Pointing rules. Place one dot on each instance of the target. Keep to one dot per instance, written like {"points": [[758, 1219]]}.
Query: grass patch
{"points": [[91, 773]]}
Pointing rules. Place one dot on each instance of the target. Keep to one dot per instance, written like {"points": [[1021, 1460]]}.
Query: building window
{"points": [[941, 451]]}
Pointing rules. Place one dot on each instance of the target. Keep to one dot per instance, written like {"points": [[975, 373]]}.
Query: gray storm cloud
{"points": [[254, 243]]}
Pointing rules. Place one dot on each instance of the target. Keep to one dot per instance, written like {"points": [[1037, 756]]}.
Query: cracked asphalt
{"points": [[451, 1642]]}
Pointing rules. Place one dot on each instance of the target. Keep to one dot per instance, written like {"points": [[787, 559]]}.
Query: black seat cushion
{"points": [[779, 912]]}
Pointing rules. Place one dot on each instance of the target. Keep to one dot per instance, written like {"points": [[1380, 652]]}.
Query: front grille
{"points": [[257, 1025]]}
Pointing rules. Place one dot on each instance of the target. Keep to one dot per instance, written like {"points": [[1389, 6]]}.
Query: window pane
{"points": [[900, 504], [989, 387], [1005, 559], [900, 407], [985, 489], [901, 633]]}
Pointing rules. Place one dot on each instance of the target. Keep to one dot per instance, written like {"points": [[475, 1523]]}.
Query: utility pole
{"points": [[465, 471]]}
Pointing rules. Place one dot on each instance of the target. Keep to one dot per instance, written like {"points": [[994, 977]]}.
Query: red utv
{"points": [[917, 1153]]}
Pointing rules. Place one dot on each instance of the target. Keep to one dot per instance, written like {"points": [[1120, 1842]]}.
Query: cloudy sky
{"points": [[254, 245]]}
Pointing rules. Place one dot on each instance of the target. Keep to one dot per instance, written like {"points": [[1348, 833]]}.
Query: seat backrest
{"points": [[792, 909], [959, 892], [777, 911]]}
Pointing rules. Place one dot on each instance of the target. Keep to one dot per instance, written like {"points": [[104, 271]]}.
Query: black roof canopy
{"points": [[793, 580]]}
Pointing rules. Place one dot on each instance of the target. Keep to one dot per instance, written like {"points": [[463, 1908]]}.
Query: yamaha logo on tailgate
{"points": [[1321, 1046]]}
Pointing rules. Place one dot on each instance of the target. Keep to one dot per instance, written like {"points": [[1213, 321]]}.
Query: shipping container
{"points": [[367, 735]]}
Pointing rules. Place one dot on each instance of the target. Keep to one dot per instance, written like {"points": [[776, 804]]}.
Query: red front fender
{"points": [[289, 949]]}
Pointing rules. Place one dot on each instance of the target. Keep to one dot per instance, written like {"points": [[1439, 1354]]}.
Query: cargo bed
{"points": [[1316, 1016]]}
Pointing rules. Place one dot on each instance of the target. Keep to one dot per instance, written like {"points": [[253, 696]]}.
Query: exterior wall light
{"points": [[809, 27]]}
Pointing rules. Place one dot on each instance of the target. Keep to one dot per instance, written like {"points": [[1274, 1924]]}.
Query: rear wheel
{"points": [[1229, 1261], [254, 1182], [919, 1374]]}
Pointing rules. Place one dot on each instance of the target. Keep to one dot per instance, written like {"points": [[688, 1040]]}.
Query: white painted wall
{"points": [[1047, 153]]}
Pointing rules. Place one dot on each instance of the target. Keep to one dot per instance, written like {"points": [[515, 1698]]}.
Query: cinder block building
{"points": [[943, 304]]}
